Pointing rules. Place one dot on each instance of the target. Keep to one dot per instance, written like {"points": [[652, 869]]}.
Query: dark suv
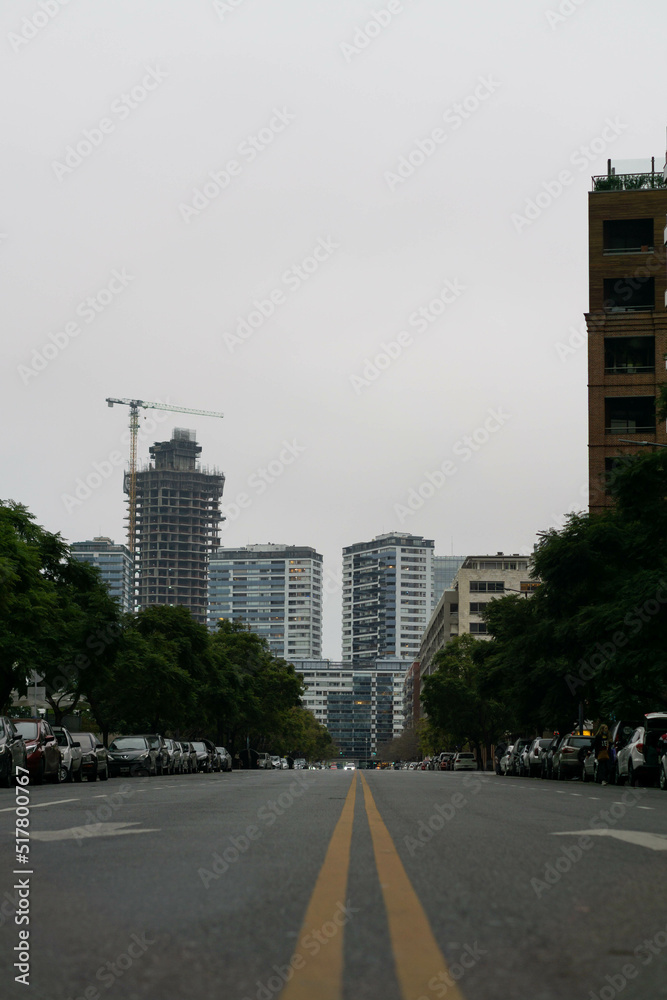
{"points": [[95, 762], [43, 753], [12, 751]]}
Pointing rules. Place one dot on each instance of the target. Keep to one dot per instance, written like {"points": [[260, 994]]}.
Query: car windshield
{"points": [[544, 743], [85, 740], [199, 747], [28, 730], [580, 741], [62, 740], [129, 743], [466, 756]]}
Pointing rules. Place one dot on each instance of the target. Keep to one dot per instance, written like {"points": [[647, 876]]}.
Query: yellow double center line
{"points": [[417, 957]]}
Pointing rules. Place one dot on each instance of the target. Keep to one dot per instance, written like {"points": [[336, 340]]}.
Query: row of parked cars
{"points": [[637, 754], [53, 753], [271, 762], [446, 761]]}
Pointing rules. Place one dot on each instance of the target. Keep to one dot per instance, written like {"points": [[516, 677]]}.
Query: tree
{"points": [[458, 699]]}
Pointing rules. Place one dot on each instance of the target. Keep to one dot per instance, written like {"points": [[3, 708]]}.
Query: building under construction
{"points": [[177, 517]]}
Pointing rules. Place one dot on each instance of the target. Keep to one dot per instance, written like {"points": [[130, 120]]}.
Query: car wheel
{"points": [[93, 775], [65, 773]]}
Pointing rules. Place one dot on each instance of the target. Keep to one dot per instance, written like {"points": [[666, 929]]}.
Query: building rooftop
{"points": [[631, 175]]}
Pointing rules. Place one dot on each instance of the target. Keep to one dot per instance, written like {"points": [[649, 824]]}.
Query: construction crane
{"points": [[135, 405]]}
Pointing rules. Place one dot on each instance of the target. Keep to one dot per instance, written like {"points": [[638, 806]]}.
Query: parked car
{"points": [[72, 757], [530, 762], [225, 758], [619, 735], [275, 762], [568, 758], [95, 762], [504, 760], [13, 751], [174, 756], [300, 763], [547, 759], [464, 762], [204, 762], [590, 766], [638, 761], [132, 755], [514, 759], [43, 757], [158, 743], [446, 760], [189, 757], [284, 763], [265, 761]]}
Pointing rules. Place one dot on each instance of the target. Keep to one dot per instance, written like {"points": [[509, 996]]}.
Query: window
{"points": [[478, 628], [629, 355], [627, 235], [487, 586], [629, 294], [629, 415], [476, 608]]}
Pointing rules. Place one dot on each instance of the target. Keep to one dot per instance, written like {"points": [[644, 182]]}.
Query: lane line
{"points": [[41, 805], [321, 976], [417, 955]]}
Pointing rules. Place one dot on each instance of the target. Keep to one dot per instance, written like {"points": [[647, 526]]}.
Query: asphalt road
{"points": [[324, 885]]}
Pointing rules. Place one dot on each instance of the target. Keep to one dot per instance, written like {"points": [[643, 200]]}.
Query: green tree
{"points": [[458, 698]]}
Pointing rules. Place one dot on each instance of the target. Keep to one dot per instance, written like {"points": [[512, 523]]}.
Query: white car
{"points": [[275, 762], [505, 759], [464, 762], [350, 767], [72, 755], [283, 764]]}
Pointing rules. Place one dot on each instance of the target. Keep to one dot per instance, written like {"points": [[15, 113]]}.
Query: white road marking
{"points": [[654, 841], [651, 808], [40, 805], [92, 830]]}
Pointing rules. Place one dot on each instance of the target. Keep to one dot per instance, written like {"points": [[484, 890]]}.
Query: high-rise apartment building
{"points": [[627, 319], [276, 590], [115, 565], [387, 597], [177, 523], [361, 705]]}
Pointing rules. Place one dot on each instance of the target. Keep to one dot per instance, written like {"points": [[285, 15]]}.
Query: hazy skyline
{"points": [[358, 229]]}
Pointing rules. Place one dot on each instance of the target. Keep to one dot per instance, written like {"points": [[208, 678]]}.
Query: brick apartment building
{"points": [[627, 318]]}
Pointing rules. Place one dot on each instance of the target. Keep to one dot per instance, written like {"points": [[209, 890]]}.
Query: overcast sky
{"points": [[373, 159]]}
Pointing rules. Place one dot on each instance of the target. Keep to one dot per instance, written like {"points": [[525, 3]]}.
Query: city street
{"points": [[316, 885]]}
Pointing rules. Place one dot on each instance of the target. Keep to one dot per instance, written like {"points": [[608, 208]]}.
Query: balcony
{"points": [[631, 175]]}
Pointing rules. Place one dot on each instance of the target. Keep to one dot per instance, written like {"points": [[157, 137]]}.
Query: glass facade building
{"points": [[276, 590], [114, 563]]}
